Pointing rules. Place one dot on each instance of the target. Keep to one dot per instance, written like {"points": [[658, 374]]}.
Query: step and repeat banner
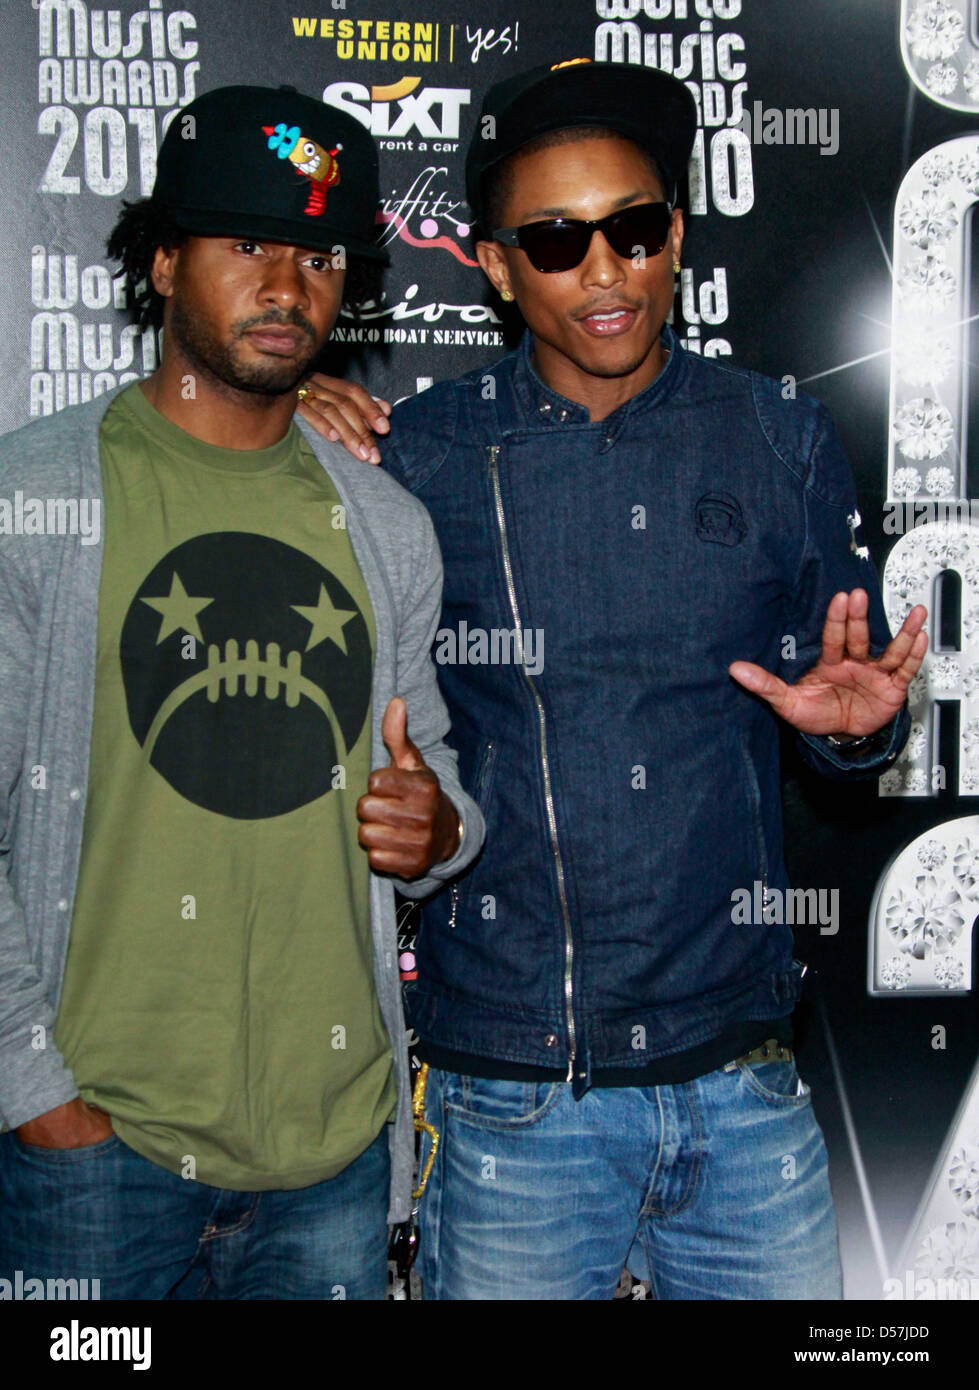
{"points": [[829, 212]]}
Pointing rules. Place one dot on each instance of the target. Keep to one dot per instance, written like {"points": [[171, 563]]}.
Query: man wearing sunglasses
{"points": [[609, 1041]]}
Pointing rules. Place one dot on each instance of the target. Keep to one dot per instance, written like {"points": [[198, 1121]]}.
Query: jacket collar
{"points": [[538, 405]]}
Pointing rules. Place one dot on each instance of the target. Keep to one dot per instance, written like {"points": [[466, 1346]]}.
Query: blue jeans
{"points": [[104, 1212], [713, 1188]]}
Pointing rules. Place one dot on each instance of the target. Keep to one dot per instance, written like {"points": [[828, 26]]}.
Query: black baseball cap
{"points": [[644, 104], [270, 162]]}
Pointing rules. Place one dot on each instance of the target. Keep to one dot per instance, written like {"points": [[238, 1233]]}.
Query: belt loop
{"points": [[581, 1077]]}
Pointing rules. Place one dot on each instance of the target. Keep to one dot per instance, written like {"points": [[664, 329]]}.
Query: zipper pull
{"points": [[493, 451]]}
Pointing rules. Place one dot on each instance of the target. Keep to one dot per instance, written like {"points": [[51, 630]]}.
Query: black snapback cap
{"points": [[643, 104], [270, 162]]}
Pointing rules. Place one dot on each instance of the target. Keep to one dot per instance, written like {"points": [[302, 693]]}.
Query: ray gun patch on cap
{"points": [[310, 159]]}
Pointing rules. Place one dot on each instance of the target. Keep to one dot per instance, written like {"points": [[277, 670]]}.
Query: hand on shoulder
{"points": [[346, 412]]}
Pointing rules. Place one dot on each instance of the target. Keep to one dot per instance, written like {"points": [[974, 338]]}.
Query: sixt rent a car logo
{"points": [[402, 108]]}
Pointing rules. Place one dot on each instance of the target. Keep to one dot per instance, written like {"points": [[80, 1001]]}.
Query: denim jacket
{"points": [[630, 786]]}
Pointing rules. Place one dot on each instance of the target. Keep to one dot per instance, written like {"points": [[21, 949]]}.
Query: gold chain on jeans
{"points": [[418, 1113]]}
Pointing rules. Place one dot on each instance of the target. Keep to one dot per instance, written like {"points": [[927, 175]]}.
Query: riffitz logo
{"points": [[309, 159], [401, 109], [426, 207]]}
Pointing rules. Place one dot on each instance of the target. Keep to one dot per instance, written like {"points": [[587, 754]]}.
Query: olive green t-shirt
{"points": [[218, 998]]}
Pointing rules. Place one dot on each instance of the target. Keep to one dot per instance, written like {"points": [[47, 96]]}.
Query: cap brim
{"points": [[214, 223]]}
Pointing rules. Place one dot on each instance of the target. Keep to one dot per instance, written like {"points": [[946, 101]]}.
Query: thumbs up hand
{"points": [[407, 822], [394, 731]]}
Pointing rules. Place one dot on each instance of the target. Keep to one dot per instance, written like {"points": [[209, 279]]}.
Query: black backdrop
{"points": [[789, 258]]}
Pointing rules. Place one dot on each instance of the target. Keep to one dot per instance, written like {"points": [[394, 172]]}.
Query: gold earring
{"points": [[506, 296], [677, 267]]}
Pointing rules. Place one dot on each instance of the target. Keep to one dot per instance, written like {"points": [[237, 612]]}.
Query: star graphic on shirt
{"points": [[179, 611], [327, 621]]}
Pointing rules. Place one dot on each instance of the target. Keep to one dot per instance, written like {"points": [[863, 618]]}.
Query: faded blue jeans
{"points": [[104, 1212], [714, 1189]]}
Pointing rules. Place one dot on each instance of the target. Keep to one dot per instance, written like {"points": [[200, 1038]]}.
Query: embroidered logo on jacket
{"points": [[720, 519]]}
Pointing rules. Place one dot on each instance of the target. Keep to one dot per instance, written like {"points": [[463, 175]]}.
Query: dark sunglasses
{"points": [[561, 243]]}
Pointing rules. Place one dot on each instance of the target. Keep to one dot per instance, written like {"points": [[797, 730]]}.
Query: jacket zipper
{"points": [[493, 451]]}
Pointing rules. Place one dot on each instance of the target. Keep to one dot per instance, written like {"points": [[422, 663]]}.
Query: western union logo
{"points": [[375, 40]]}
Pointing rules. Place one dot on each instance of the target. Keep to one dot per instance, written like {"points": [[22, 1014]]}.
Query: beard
{"points": [[221, 361]]}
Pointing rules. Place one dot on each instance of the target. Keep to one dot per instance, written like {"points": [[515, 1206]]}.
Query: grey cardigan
{"points": [[49, 586]]}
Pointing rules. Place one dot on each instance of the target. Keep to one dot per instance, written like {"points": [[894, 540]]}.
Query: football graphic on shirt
{"points": [[247, 671]]}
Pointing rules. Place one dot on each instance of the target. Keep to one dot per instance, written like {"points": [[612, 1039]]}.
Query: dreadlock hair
{"points": [[141, 227], [362, 285], [144, 225]]}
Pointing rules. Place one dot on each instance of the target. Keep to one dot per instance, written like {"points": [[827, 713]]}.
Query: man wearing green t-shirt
{"points": [[202, 1052]]}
